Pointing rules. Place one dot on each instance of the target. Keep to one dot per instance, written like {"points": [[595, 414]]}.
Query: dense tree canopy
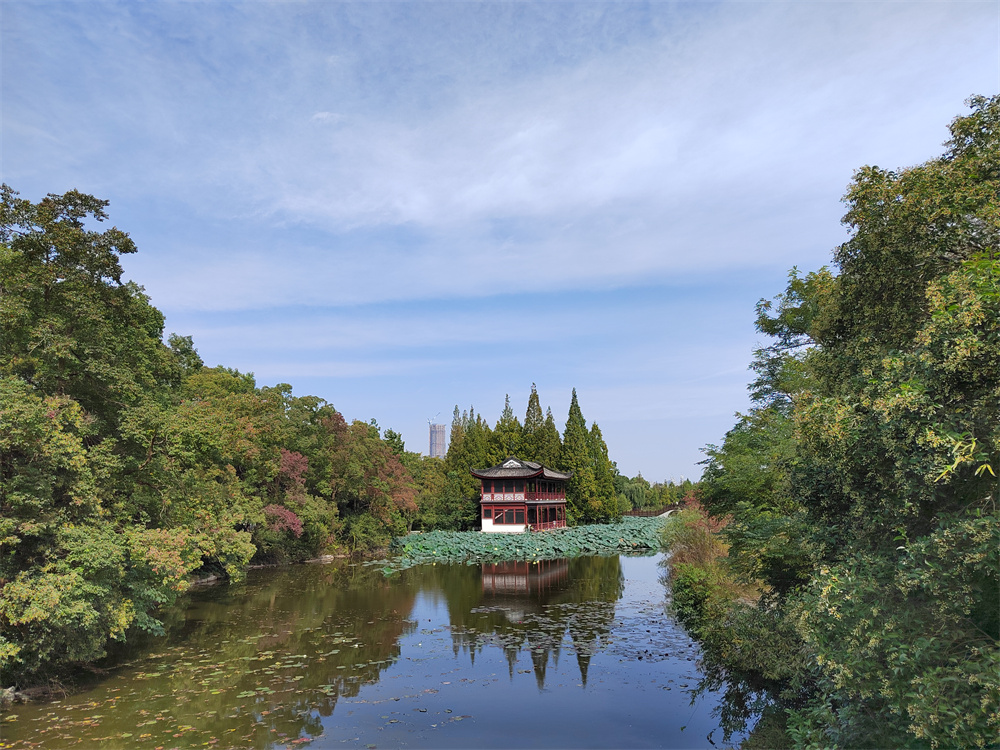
{"points": [[126, 464], [861, 490]]}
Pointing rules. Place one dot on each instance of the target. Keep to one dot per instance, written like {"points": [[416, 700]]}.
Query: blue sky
{"points": [[400, 207]]}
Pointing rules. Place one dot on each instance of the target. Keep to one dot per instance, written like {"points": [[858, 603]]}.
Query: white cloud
{"points": [[366, 368], [332, 118], [304, 164], [377, 331], [772, 89], [719, 144]]}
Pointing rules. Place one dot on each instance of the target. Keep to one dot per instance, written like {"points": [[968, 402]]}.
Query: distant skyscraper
{"points": [[437, 441]]}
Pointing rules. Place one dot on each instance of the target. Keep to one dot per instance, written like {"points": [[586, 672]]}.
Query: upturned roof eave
{"points": [[526, 470], [507, 473]]}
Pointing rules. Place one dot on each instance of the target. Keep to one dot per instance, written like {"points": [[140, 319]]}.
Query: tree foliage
{"points": [[591, 495], [861, 490], [581, 495], [548, 442], [126, 464], [507, 435]]}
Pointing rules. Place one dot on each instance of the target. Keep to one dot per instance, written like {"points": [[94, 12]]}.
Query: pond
{"points": [[561, 653]]}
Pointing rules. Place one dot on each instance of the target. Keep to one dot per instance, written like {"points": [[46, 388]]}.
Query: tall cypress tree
{"points": [[534, 421], [604, 475], [456, 438], [507, 435], [483, 449], [466, 450], [548, 444], [581, 496]]}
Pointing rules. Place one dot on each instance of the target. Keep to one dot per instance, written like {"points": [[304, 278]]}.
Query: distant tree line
{"points": [[638, 494]]}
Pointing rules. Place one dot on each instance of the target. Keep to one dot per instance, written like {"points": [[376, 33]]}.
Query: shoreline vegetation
{"points": [[127, 464], [631, 535], [130, 470], [841, 568]]}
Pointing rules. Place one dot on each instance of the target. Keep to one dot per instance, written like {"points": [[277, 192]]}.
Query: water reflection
{"points": [[251, 665], [268, 663], [541, 578], [531, 606]]}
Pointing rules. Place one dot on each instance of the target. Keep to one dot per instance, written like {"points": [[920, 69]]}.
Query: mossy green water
{"points": [[635, 535]]}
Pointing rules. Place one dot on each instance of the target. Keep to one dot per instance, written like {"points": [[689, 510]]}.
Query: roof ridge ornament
{"points": [[511, 463]]}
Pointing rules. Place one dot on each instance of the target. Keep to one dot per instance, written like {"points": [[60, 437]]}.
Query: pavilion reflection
{"points": [[520, 577], [534, 606]]}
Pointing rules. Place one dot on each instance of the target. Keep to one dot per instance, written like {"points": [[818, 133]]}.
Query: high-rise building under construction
{"points": [[437, 441]]}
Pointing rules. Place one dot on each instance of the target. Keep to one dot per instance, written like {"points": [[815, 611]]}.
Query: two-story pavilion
{"points": [[520, 495]]}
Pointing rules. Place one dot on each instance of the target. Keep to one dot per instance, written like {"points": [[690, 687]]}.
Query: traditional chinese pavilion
{"points": [[521, 496]]}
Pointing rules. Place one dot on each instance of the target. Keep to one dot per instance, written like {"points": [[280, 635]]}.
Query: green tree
{"points": [[126, 464], [455, 456], [910, 228], [534, 422], [868, 466], [372, 488], [582, 503], [635, 493], [793, 320], [471, 447], [507, 433], [82, 363], [604, 474], [395, 442], [185, 353], [548, 443], [71, 326]]}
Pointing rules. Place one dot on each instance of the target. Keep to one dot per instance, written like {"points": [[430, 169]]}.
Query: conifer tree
{"points": [[534, 421], [548, 444], [469, 448], [581, 497], [507, 435], [454, 458], [491, 454], [480, 449], [604, 475]]}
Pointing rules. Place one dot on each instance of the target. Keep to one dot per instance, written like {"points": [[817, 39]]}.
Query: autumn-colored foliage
{"points": [[126, 464], [279, 518]]}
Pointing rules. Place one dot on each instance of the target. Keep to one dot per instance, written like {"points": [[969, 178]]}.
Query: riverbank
{"points": [[435, 656], [631, 535]]}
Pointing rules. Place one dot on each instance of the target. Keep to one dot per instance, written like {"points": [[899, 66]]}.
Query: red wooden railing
{"points": [[545, 496]]}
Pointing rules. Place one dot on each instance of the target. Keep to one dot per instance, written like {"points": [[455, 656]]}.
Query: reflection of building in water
{"points": [[535, 607], [523, 577]]}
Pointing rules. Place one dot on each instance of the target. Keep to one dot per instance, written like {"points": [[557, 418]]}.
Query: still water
{"points": [[569, 653]]}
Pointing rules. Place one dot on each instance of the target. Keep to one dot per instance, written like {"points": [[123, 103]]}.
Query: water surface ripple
{"points": [[575, 653]]}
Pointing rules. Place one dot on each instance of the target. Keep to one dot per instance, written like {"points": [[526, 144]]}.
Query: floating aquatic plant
{"points": [[631, 535]]}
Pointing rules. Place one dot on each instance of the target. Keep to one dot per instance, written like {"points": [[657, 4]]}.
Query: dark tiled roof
{"points": [[517, 468]]}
